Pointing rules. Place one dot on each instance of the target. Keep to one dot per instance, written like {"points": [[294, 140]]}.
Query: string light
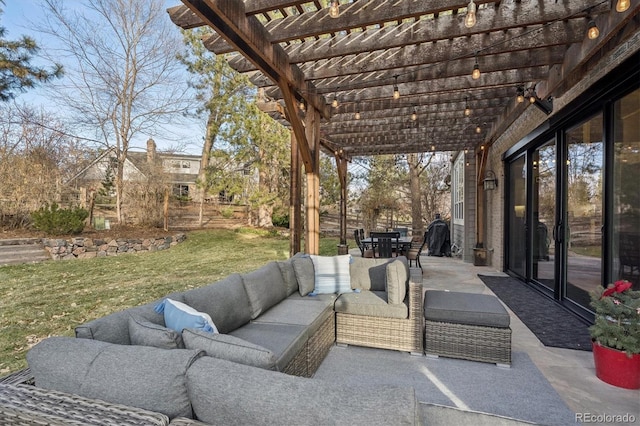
{"points": [[470, 18], [476, 69], [467, 110], [593, 32], [301, 105], [520, 94], [396, 92], [334, 8], [414, 114], [478, 129], [335, 99], [622, 5]]}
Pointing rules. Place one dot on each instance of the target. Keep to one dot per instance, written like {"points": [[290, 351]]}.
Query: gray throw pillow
{"points": [[396, 284], [231, 348], [305, 273], [146, 333]]}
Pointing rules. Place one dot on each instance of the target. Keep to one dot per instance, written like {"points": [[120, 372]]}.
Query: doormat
{"points": [[552, 324]]}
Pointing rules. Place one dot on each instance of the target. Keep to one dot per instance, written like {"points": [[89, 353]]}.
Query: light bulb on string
{"points": [[622, 5], [593, 32], [334, 8], [396, 92], [470, 17], [476, 70]]}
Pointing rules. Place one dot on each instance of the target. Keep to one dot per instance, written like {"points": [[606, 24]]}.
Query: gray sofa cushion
{"points": [[227, 393], [226, 302], [146, 333], [139, 376], [465, 308], [228, 347], [368, 274], [309, 311], [288, 275], [305, 274], [265, 288], [284, 340], [397, 280], [370, 303]]}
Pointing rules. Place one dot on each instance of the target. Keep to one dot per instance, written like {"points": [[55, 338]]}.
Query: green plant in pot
{"points": [[616, 334]]}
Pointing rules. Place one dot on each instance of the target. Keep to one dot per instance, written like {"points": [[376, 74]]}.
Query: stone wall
{"points": [[84, 248]]}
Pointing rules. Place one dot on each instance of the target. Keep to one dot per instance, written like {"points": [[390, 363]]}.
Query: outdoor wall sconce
{"points": [[490, 181], [545, 105]]}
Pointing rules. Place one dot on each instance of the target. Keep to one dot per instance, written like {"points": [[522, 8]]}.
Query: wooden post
{"points": [[295, 199], [166, 209], [312, 230], [341, 166]]}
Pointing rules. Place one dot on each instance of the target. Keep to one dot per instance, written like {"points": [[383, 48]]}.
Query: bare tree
{"points": [[34, 161], [122, 77]]}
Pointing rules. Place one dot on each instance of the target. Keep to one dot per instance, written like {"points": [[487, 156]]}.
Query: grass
{"points": [[52, 298]]}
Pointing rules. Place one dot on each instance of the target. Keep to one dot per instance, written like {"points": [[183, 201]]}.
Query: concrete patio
{"points": [[570, 372]]}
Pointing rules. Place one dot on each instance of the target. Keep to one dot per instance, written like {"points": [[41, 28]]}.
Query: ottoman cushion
{"points": [[465, 308]]}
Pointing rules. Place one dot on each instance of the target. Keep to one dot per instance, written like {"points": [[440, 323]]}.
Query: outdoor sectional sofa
{"points": [[278, 319]]}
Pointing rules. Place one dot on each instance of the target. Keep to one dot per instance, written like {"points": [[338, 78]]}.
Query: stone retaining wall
{"points": [[84, 248]]}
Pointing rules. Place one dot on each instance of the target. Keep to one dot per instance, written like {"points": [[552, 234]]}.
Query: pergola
{"points": [[369, 77]]}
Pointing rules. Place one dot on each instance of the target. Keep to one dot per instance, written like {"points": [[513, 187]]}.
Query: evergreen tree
{"points": [[16, 72]]}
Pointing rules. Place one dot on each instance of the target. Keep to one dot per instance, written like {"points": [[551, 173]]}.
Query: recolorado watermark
{"points": [[605, 418]]}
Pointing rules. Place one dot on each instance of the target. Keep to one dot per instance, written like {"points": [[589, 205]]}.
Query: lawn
{"points": [[51, 298]]}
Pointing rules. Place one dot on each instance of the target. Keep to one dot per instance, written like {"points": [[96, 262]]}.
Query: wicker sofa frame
{"points": [[401, 334]]}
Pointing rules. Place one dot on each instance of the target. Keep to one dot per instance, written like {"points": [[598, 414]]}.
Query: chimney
{"points": [[151, 150]]}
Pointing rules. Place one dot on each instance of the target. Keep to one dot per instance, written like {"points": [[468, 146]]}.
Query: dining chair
{"points": [[364, 249], [414, 252], [385, 247]]}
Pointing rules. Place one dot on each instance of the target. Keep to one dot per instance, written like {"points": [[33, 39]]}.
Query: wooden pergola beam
{"points": [[247, 35]]}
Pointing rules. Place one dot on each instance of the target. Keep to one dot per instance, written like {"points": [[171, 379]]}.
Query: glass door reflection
{"points": [[544, 214], [584, 201]]}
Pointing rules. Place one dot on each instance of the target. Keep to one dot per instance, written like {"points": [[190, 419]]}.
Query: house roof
{"points": [[294, 51]]}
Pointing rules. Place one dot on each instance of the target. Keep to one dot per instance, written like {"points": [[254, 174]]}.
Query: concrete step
{"points": [[22, 250]]}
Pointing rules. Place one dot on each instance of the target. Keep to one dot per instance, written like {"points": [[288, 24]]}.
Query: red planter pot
{"points": [[616, 368]]}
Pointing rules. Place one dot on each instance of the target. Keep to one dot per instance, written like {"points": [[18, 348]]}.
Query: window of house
{"points": [[457, 190]]}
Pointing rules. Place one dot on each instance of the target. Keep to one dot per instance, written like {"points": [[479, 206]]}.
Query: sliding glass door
{"points": [[573, 205]]}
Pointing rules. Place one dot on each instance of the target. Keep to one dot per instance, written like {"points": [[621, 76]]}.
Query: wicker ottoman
{"points": [[467, 326]]}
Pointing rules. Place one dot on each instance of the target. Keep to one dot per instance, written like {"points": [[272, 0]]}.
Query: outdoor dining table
{"points": [[401, 244]]}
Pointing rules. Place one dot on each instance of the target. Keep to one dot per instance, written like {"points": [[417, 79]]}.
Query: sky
{"points": [[18, 19]]}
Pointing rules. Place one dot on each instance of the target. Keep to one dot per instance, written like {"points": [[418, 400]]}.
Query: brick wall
{"points": [[525, 124]]}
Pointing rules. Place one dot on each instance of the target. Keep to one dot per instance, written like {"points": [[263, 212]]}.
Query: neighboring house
{"points": [[181, 171]]}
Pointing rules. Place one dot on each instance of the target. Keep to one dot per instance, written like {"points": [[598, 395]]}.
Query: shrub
{"points": [[56, 221], [281, 220], [227, 212]]}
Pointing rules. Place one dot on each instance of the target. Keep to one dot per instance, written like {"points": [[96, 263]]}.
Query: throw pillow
{"points": [[146, 333], [231, 348], [178, 316], [303, 267], [332, 274], [396, 283]]}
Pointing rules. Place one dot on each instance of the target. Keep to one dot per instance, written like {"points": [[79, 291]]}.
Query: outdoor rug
{"points": [[551, 323], [520, 392]]}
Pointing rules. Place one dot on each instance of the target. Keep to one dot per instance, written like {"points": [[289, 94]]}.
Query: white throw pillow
{"points": [[332, 274]]}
